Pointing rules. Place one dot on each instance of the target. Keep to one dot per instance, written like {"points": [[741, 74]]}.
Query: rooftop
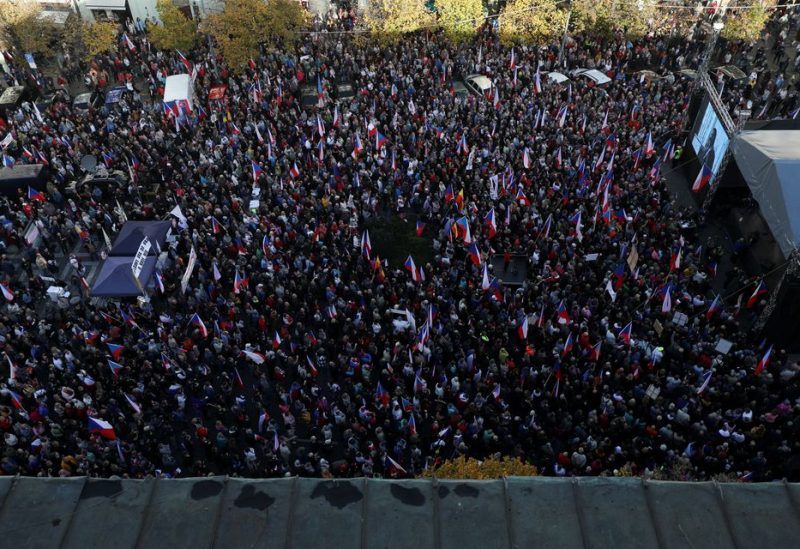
{"points": [[514, 512]]}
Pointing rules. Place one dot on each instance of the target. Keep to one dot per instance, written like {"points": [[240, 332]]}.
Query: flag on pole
{"points": [[702, 179], [764, 362], [197, 321], [115, 367], [625, 333], [760, 290], [115, 350]]}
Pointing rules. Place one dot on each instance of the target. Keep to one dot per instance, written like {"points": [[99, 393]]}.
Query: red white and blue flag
{"points": [[197, 321], [764, 362], [625, 333], [115, 350], [103, 428], [257, 171], [115, 367], [702, 179], [760, 290]]}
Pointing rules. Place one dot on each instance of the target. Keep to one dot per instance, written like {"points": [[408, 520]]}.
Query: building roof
{"points": [[515, 512]]}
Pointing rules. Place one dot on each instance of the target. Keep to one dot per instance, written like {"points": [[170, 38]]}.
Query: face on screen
{"points": [[710, 140]]}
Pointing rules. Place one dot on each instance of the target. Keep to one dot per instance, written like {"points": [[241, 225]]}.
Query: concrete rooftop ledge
{"points": [[297, 513]]}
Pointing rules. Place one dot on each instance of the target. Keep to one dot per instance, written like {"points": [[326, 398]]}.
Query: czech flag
{"points": [[294, 171], [382, 396], [491, 222], [594, 354], [764, 362], [104, 428], [712, 310], [197, 321], [380, 140], [7, 293], [625, 333], [33, 194], [256, 169], [108, 159], [357, 146], [449, 195], [216, 228], [760, 290], [563, 315], [474, 254], [115, 350], [8, 161], [276, 340], [366, 245], [133, 404], [702, 179], [522, 329], [567, 346], [16, 400], [420, 227], [412, 267], [115, 367], [159, 281]]}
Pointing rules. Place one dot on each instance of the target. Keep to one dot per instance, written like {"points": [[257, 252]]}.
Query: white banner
{"points": [[189, 268], [141, 254]]}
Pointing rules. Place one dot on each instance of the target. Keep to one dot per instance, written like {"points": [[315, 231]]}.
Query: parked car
{"points": [[592, 77], [557, 77], [85, 102], [478, 84]]}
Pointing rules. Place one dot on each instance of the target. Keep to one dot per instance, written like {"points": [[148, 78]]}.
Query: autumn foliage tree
{"points": [[99, 37], [491, 468], [244, 25], [176, 31], [390, 19], [23, 29], [745, 20], [531, 21], [460, 18], [605, 16]]}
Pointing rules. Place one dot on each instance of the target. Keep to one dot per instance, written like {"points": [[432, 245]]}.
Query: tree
{"points": [[537, 21], [747, 22], [72, 35], [23, 29], [606, 16], [176, 31], [460, 18], [390, 19], [99, 37], [491, 468], [245, 24]]}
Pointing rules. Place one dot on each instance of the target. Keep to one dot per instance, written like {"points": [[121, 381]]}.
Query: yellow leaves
{"points": [[176, 31], [390, 19], [460, 18], [99, 37], [603, 16], [244, 24], [745, 24], [23, 29], [536, 21], [472, 469]]}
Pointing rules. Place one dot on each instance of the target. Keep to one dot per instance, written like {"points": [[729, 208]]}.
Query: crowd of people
{"points": [[300, 348]]}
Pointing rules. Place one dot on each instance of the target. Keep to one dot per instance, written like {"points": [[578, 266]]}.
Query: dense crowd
{"points": [[299, 348]]}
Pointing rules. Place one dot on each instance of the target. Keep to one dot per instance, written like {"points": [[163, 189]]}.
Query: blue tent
{"points": [[116, 278], [133, 232]]}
